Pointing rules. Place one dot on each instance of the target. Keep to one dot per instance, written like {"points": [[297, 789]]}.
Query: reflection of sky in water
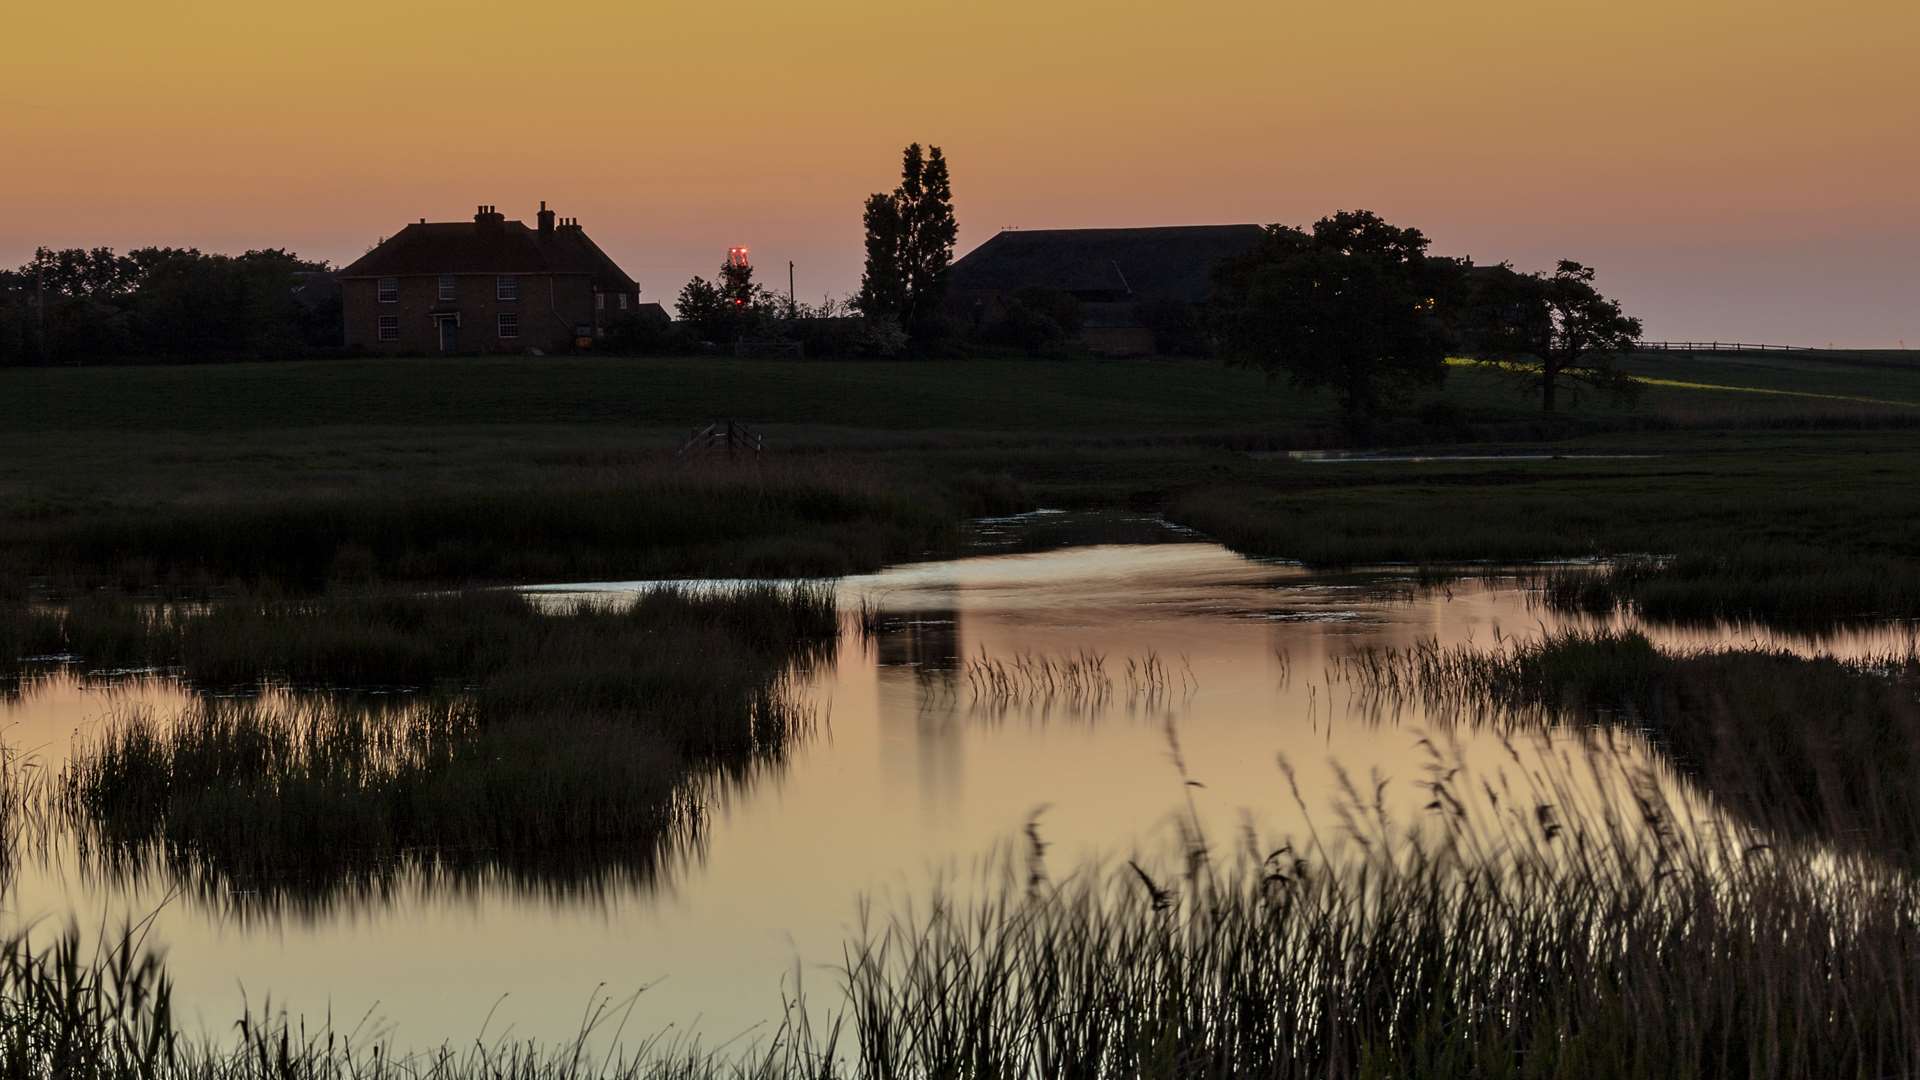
{"points": [[915, 774]]}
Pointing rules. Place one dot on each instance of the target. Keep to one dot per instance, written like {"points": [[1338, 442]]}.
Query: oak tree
{"points": [[1355, 306], [1555, 329]]}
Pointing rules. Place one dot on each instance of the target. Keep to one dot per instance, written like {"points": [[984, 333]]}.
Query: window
{"points": [[389, 290], [389, 328], [623, 301], [506, 287], [600, 301], [447, 284], [509, 324]]}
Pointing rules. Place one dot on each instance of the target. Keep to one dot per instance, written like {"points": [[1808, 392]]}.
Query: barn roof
{"points": [[497, 247], [1170, 262]]}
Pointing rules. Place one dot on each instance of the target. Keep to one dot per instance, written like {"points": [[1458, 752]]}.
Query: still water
{"points": [[916, 773]]}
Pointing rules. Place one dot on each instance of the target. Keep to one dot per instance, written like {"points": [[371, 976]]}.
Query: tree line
{"points": [[1354, 305], [1358, 306], [79, 306]]}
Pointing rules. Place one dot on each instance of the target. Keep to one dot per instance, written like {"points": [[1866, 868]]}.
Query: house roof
{"points": [[1171, 262], [499, 247]]}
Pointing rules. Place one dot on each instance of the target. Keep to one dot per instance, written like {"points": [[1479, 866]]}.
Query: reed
{"points": [[562, 750], [1786, 741], [1590, 943]]}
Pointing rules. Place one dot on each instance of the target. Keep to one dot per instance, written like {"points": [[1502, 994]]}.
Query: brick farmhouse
{"points": [[484, 286]]}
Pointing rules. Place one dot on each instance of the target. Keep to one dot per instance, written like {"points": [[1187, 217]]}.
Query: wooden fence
{"points": [[728, 435], [1718, 347]]}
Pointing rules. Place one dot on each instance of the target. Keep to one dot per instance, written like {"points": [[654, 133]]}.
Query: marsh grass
{"points": [[1785, 741], [1568, 960], [1782, 528], [1589, 941], [1781, 584], [106, 1013], [261, 811], [651, 519], [561, 748]]}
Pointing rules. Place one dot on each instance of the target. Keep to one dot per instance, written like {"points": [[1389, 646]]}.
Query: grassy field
{"points": [[304, 475], [672, 395], [667, 395]]}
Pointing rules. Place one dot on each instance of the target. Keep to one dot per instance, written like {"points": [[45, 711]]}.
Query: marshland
{"points": [[1059, 729]]}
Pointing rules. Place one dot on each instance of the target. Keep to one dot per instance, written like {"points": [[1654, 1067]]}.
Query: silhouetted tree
{"points": [[1560, 327], [81, 306], [910, 237], [730, 307], [702, 306], [195, 305], [1356, 305]]}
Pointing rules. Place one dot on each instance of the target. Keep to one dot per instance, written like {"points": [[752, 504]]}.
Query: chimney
{"points": [[489, 217], [546, 220]]}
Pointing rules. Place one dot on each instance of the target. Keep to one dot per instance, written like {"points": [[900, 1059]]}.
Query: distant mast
{"points": [[739, 272]]}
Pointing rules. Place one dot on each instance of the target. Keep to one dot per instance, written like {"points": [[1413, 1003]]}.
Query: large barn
{"points": [[1113, 273]]}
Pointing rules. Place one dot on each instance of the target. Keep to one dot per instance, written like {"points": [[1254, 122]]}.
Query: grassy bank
{"points": [[1767, 526], [1784, 584]]}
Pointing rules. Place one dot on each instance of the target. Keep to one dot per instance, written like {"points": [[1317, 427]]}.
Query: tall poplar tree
{"points": [[910, 237]]}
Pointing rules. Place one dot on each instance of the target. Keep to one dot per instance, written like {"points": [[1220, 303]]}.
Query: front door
{"points": [[449, 335]]}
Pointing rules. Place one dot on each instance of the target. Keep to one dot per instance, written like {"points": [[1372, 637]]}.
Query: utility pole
{"points": [[793, 309], [40, 302]]}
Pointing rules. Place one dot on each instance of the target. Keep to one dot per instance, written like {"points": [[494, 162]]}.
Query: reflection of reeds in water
{"points": [[562, 753], [1077, 684]]}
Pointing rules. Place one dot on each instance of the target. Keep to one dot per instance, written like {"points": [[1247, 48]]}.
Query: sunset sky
{"points": [[1744, 171]]}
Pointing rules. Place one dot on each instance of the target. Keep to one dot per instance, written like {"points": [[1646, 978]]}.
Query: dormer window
{"points": [[448, 287], [389, 290], [506, 287]]}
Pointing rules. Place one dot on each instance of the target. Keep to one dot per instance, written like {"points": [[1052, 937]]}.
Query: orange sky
{"points": [[1736, 170]]}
